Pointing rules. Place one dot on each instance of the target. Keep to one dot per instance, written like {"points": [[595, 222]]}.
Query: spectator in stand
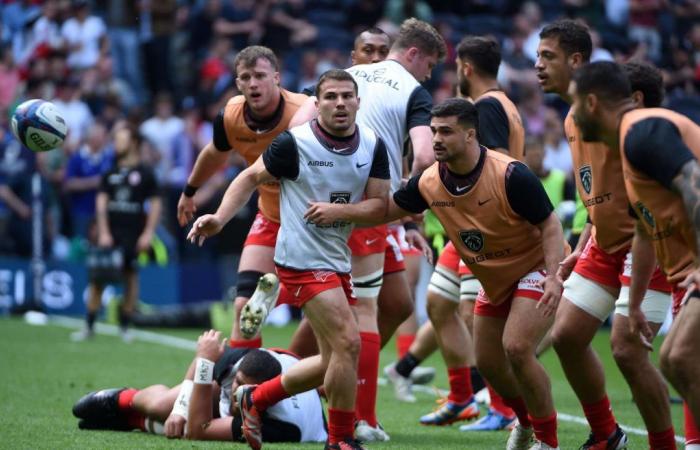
{"points": [[157, 29], [43, 32], [644, 23], [83, 175], [242, 22], [532, 110], [84, 35], [557, 153], [9, 78], [74, 110]]}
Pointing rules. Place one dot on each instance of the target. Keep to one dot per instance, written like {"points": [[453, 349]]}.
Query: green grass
{"points": [[43, 374]]}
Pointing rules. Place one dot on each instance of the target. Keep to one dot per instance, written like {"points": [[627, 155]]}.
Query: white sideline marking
{"points": [[186, 344]]}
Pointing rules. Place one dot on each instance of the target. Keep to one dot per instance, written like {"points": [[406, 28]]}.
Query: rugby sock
{"points": [[406, 364], [341, 425], [367, 372], [662, 440], [246, 343], [498, 405], [124, 319], [600, 418], [460, 385], [478, 382], [125, 398], [545, 429], [692, 434], [403, 343], [517, 404], [135, 419], [269, 393], [90, 320]]}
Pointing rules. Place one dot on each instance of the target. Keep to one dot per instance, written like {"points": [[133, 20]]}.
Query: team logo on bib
{"points": [[340, 197], [473, 239], [646, 214], [586, 178]]}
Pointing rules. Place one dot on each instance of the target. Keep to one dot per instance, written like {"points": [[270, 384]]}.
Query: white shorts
{"points": [[444, 283], [599, 303], [469, 287]]}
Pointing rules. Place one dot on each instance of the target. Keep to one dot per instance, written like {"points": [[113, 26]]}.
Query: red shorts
{"points": [[450, 259], [393, 256], [367, 241], [303, 285], [528, 287], [262, 232], [613, 269], [677, 296]]}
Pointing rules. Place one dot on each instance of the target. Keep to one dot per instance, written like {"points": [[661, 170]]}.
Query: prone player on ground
{"points": [[247, 125], [513, 246], [597, 285]]}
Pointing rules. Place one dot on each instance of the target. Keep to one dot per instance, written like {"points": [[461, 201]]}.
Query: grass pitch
{"points": [[44, 373]]}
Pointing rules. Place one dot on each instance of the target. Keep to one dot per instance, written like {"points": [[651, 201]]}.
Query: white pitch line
{"points": [[186, 344]]}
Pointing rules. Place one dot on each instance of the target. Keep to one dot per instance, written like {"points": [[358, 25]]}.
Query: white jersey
{"points": [[326, 175], [391, 102], [303, 410]]}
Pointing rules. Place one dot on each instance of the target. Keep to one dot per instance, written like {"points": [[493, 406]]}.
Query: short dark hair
{"points": [[467, 115], [647, 79], [260, 365], [573, 37], [250, 55], [422, 35], [371, 30], [605, 79], [334, 74], [483, 52]]}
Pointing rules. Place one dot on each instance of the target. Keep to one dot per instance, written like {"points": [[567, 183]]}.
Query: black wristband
{"points": [[189, 190], [411, 226]]}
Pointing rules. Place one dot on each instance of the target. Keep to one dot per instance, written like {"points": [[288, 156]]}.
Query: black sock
{"points": [[477, 380], [124, 320], [90, 320], [406, 364]]}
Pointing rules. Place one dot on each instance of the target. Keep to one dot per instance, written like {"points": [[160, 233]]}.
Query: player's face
{"points": [[259, 84], [449, 138], [552, 66], [585, 116], [423, 65], [337, 106], [462, 80], [240, 379], [370, 48]]}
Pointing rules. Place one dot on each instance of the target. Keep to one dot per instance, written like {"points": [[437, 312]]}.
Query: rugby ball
{"points": [[38, 125]]}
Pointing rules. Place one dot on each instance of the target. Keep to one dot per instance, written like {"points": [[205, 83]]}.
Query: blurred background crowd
{"points": [[166, 65]]}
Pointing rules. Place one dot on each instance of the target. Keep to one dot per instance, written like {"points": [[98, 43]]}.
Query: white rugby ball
{"points": [[38, 125]]}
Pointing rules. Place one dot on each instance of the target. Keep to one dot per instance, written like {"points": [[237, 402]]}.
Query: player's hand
{"points": [[567, 265], [549, 302], [210, 345], [144, 242], [322, 213], [205, 226], [174, 426], [692, 281], [105, 240], [639, 327], [416, 239], [185, 210]]}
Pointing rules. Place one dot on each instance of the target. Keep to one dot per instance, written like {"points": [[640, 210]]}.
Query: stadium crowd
{"points": [[166, 66]]}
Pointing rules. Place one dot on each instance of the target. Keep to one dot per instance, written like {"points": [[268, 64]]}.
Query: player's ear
{"points": [[638, 98], [576, 60], [277, 78], [591, 102]]}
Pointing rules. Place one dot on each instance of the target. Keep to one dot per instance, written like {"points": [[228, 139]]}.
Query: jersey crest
{"points": [[473, 239], [586, 176], [646, 214]]}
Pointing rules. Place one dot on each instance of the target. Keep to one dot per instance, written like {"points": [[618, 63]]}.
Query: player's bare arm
{"points": [[208, 162], [567, 265], [104, 236], [553, 247], [687, 184], [237, 195], [643, 265], [306, 112], [200, 423], [155, 208], [376, 194]]}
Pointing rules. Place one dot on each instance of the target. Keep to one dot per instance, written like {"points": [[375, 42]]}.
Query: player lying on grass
{"points": [[188, 410]]}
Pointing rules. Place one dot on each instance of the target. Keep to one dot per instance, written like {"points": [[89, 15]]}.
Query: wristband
{"points": [[410, 226], [189, 190], [182, 403], [203, 371]]}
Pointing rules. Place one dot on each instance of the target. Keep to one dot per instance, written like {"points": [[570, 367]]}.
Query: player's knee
{"points": [[628, 355], [438, 310], [348, 344], [677, 364], [518, 352], [565, 339], [247, 282]]}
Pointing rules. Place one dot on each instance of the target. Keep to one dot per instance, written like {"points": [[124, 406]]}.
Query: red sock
{"points": [[498, 405], [518, 406], [134, 418], [692, 434], [460, 385], [269, 393], [546, 429], [662, 440], [245, 343], [600, 418], [367, 372], [403, 343], [341, 425]]}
